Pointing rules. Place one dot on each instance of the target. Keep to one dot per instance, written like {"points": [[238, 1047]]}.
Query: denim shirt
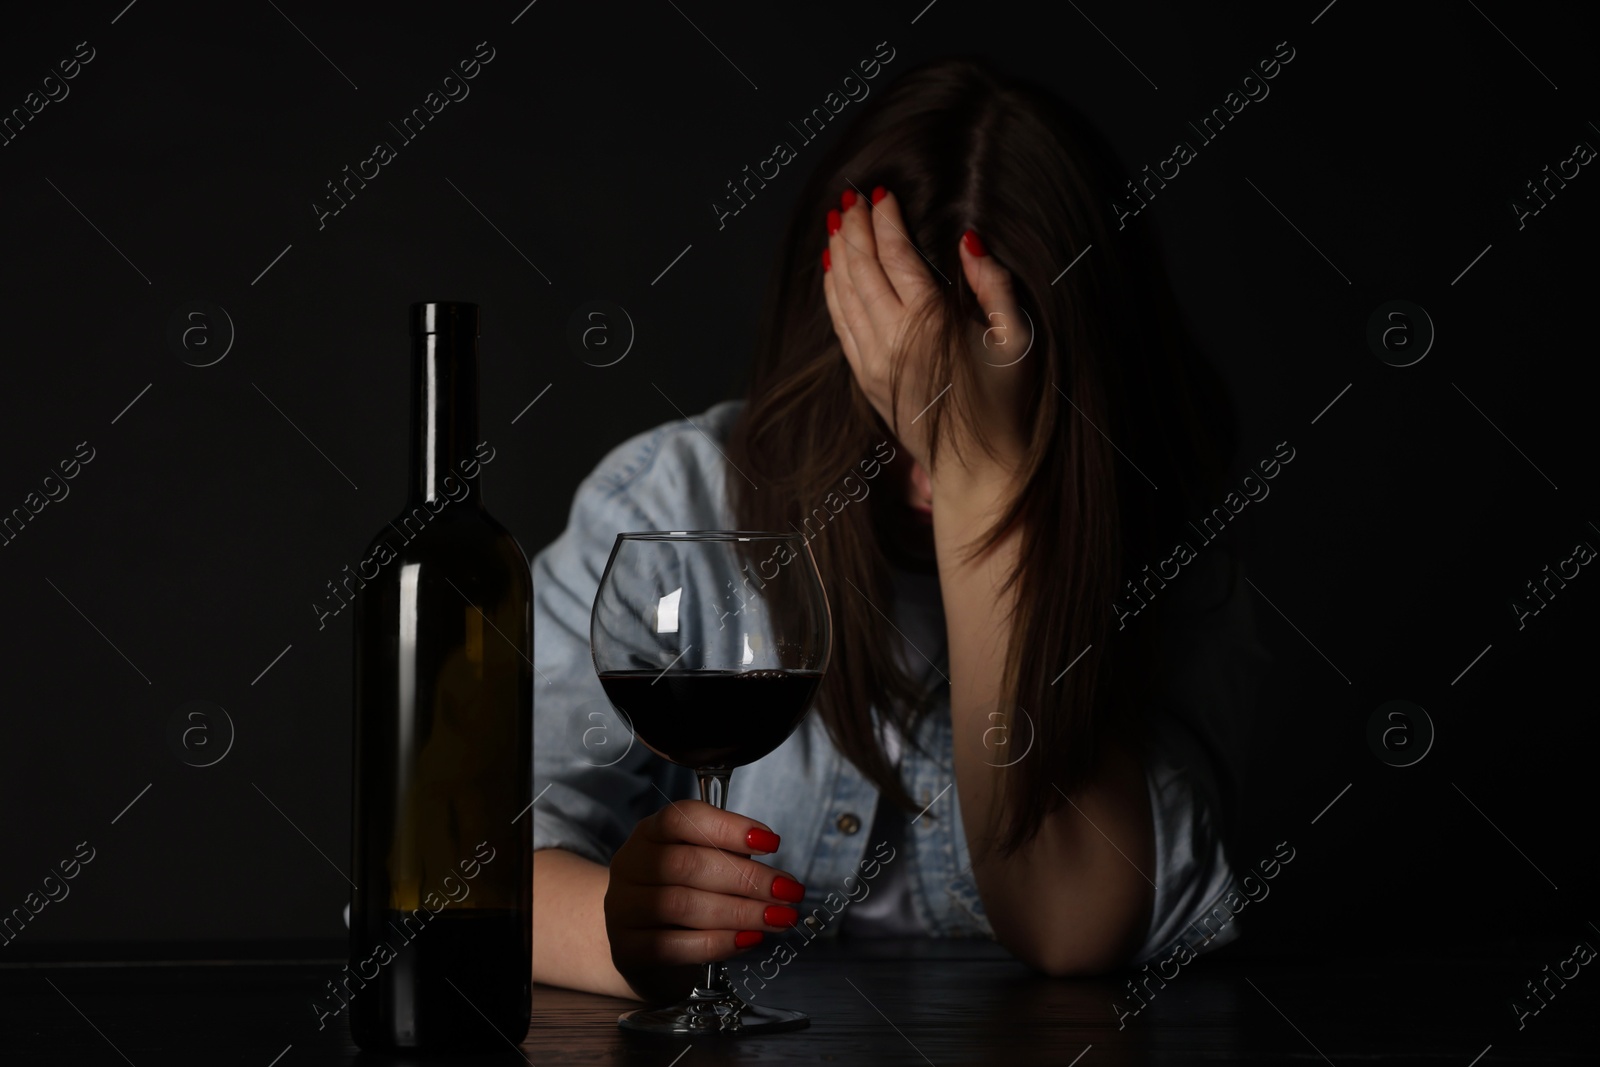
{"points": [[592, 783]]}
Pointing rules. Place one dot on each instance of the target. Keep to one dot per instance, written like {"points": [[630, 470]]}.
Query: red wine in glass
{"points": [[712, 643], [739, 716]]}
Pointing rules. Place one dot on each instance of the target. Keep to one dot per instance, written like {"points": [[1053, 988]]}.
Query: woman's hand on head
{"points": [[683, 890], [880, 293]]}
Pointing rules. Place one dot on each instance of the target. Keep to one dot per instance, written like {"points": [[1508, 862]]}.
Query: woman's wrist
{"points": [[976, 493]]}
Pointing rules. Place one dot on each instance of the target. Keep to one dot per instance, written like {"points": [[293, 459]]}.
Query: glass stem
{"points": [[714, 791]]}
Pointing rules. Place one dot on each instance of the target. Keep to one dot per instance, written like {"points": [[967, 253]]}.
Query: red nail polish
{"points": [[780, 915], [760, 840], [847, 199], [747, 938], [878, 193], [973, 243], [788, 889], [827, 260], [833, 222]]}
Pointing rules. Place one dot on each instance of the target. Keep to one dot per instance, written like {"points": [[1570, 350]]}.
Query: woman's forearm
{"points": [[1076, 899], [570, 947]]}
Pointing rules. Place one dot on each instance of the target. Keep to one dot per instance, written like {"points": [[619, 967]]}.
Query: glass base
{"points": [[706, 1013]]}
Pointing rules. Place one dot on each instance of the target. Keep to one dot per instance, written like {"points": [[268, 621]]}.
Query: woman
{"points": [[969, 388]]}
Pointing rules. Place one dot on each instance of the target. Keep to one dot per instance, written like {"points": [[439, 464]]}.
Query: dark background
{"points": [[594, 142]]}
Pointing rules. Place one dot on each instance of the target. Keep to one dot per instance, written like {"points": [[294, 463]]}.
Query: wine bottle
{"points": [[441, 917]]}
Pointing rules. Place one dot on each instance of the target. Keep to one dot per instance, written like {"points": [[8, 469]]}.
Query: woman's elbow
{"points": [[1087, 945], [1072, 960]]}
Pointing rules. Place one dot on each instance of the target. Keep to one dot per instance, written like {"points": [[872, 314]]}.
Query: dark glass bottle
{"points": [[441, 920]]}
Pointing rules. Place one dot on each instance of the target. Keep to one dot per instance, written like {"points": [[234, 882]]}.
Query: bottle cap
{"points": [[444, 316]]}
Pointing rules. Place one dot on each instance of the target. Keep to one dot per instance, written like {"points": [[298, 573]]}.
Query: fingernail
{"points": [[761, 840], [847, 199], [827, 260], [878, 193], [780, 915], [747, 938], [833, 222], [973, 243], [788, 889]]}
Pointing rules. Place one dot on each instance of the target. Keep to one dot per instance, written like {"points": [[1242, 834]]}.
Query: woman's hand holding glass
{"points": [[685, 891]]}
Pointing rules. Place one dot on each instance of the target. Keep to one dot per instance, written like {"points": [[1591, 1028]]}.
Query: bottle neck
{"points": [[444, 418]]}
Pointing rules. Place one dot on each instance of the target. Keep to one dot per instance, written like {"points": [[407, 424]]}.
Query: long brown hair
{"points": [[962, 148]]}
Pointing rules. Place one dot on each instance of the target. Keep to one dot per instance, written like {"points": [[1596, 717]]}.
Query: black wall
{"points": [[191, 148]]}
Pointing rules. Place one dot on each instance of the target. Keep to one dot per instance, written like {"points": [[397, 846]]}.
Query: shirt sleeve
{"points": [[1213, 664], [591, 781]]}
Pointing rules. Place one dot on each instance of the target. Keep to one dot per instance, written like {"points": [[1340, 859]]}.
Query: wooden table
{"points": [[872, 1003]]}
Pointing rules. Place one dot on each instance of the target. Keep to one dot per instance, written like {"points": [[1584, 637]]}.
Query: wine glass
{"points": [[712, 644]]}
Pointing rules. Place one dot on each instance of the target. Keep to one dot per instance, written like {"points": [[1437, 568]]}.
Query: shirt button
{"points": [[848, 823]]}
